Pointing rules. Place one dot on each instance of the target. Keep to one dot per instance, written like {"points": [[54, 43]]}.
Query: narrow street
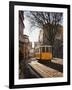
{"points": [[36, 69]]}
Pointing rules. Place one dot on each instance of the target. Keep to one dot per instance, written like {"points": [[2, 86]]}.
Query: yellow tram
{"points": [[43, 52]]}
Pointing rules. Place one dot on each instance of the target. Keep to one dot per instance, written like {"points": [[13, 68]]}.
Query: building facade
{"points": [[23, 39]]}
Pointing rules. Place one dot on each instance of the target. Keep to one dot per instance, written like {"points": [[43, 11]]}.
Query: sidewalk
{"points": [[57, 60]]}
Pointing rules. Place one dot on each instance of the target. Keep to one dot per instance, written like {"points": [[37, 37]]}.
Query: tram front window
{"points": [[43, 49], [48, 49]]}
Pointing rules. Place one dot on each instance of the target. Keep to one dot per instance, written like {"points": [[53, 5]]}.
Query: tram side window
{"points": [[43, 49], [50, 49], [40, 49], [37, 50]]}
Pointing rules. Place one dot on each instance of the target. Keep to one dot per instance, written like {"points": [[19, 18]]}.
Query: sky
{"points": [[33, 33]]}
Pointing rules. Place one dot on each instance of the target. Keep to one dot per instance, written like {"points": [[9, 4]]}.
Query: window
{"points": [[40, 49], [48, 49], [36, 50], [43, 49]]}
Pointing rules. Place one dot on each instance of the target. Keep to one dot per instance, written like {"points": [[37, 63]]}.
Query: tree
{"points": [[48, 21]]}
